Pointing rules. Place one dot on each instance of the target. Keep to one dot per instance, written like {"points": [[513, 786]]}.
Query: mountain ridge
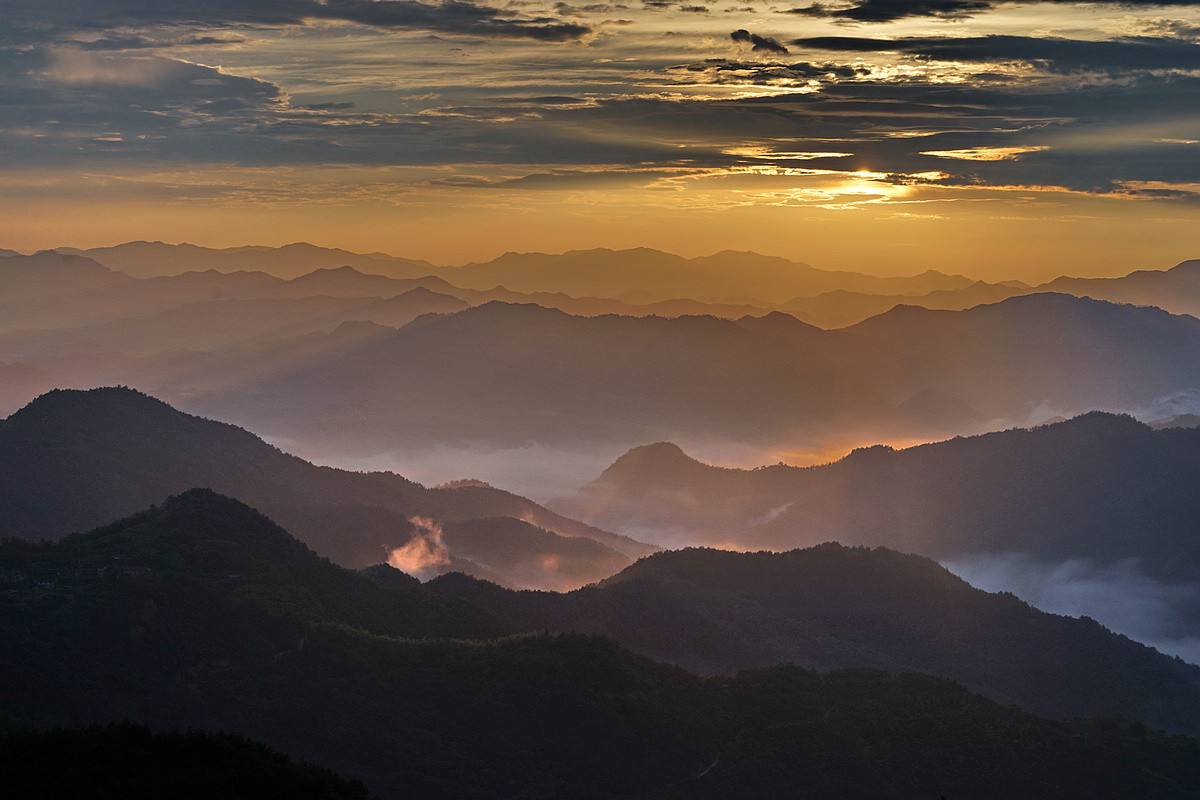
{"points": [[71, 460], [248, 594]]}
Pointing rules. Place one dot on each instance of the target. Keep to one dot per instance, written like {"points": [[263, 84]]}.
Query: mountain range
{"points": [[203, 614], [277, 356], [643, 281], [833, 607], [639, 275], [769, 382], [72, 460], [1101, 486], [149, 259]]}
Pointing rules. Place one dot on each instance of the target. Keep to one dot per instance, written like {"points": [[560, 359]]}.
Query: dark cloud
{"points": [[891, 10], [35, 20], [760, 43], [766, 72], [346, 106], [815, 10], [1174, 28], [134, 42], [1058, 55], [569, 10]]}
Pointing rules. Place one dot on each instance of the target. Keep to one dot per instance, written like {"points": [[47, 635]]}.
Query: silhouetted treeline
{"points": [[128, 762]]}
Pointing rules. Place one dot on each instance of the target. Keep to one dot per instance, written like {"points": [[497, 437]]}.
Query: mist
{"points": [[537, 471], [1120, 596], [425, 555]]}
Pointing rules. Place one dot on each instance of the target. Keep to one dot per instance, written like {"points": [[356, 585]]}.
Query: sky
{"points": [[991, 138]]}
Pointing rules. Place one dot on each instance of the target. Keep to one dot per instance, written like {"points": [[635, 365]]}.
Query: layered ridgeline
{"points": [[275, 356], [640, 276], [59, 303], [637, 274], [71, 460], [1101, 486], [1096, 515], [202, 613], [153, 259], [768, 381], [63, 289], [832, 607], [1176, 290], [635, 278]]}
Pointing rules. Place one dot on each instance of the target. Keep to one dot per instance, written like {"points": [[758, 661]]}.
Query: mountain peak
{"points": [[207, 530], [70, 401], [800, 570], [658, 459]]}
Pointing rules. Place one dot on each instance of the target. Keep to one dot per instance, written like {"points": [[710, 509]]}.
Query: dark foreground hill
{"points": [[204, 614], [132, 763], [72, 460], [833, 607]]}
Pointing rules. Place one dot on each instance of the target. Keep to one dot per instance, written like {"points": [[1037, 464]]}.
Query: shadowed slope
{"points": [[833, 607], [71, 460], [202, 614], [769, 382], [1102, 486], [135, 764]]}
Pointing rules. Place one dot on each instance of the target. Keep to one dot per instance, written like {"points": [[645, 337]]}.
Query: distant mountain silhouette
{"points": [[1176, 290], [1099, 486], [1177, 421], [767, 381], [146, 259], [223, 323], [642, 275], [72, 460], [59, 305], [51, 290], [23, 277], [203, 614], [839, 309], [134, 763], [635, 282]]}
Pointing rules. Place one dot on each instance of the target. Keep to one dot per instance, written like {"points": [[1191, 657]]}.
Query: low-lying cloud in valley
{"points": [[425, 555], [1120, 596]]}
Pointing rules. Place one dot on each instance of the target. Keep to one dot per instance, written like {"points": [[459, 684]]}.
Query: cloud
{"points": [[1120, 596], [1054, 54], [768, 73], [892, 10], [425, 555], [986, 153], [124, 102], [37, 21], [760, 43]]}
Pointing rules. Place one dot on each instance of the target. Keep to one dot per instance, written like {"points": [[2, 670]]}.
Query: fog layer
{"points": [[1119, 596]]}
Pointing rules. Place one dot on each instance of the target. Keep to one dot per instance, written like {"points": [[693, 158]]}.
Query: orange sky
{"points": [[1001, 140]]}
